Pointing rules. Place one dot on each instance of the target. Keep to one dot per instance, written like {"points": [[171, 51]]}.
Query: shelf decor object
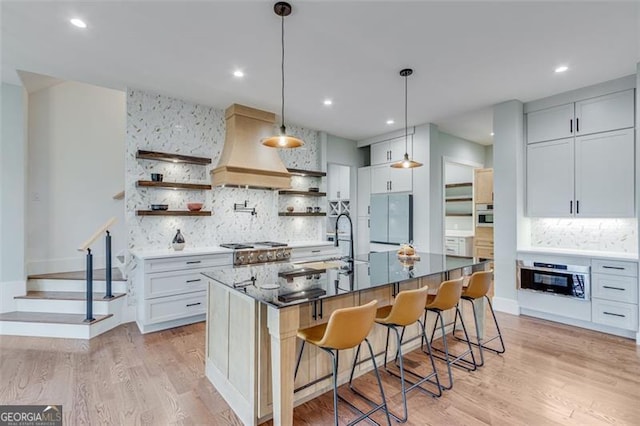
{"points": [[406, 162], [282, 140]]}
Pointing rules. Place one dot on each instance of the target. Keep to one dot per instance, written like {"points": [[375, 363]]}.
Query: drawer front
{"points": [[452, 240], [615, 314], [615, 267], [313, 252], [485, 253], [615, 287], [172, 283], [175, 307], [451, 249], [188, 262], [479, 242]]}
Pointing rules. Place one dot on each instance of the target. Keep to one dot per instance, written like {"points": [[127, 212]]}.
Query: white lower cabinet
{"points": [[458, 246], [615, 314], [311, 252], [171, 291], [615, 293]]}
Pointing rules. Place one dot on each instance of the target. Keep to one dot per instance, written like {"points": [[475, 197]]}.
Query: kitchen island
{"points": [[254, 312]]}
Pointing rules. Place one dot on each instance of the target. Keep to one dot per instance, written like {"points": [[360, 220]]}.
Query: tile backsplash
{"points": [[160, 123], [612, 235]]}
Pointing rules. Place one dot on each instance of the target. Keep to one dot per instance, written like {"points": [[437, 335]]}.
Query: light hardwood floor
{"points": [[551, 375]]}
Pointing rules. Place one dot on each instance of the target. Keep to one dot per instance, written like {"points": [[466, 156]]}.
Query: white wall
{"points": [[13, 148], [75, 166], [454, 149], [488, 156]]}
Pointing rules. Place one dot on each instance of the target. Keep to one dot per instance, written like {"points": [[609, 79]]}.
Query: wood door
{"points": [[605, 174], [550, 123], [483, 186], [550, 174]]}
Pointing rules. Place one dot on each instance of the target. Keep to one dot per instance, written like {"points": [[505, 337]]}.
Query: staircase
{"points": [[55, 306]]}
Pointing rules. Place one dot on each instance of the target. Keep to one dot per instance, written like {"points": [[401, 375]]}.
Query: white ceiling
{"points": [[466, 56]]}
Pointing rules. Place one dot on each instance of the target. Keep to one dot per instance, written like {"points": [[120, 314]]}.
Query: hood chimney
{"points": [[244, 160]]}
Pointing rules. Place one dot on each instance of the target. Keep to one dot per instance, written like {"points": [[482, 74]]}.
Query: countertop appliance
{"points": [[565, 280], [484, 215], [391, 218], [259, 252]]}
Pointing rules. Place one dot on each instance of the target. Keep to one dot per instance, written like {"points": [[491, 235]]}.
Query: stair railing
{"points": [[86, 247]]}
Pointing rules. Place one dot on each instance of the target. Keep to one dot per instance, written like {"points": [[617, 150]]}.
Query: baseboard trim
{"points": [[579, 323], [509, 306]]}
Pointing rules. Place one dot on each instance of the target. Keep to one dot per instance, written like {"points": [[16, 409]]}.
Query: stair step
{"points": [[51, 318], [67, 295], [76, 286], [98, 275]]}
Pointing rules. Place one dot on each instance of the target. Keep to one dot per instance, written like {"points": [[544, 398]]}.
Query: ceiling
{"points": [[467, 56]]}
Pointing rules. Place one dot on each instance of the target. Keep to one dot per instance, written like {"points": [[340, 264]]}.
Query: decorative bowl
{"points": [[290, 209], [194, 207], [157, 177], [159, 206]]}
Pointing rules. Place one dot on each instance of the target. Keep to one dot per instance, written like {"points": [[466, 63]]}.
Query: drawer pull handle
{"points": [[619, 268], [613, 288], [615, 315], [315, 251], [194, 304], [194, 281], [191, 262]]}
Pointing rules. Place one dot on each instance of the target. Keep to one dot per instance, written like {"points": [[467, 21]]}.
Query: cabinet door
{"points": [[400, 180], [344, 191], [380, 179], [605, 175], [604, 113], [398, 147], [333, 181], [550, 179], [483, 186], [380, 153], [364, 191], [550, 123], [362, 240]]}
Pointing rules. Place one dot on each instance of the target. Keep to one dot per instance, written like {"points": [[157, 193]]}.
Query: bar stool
{"points": [[346, 329], [407, 310], [479, 286], [448, 297]]}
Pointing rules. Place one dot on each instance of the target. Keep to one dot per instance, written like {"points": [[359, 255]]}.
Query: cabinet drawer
{"points": [[172, 283], [451, 249], [452, 240], [485, 253], [314, 252], [175, 307], [615, 267], [615, 287], [615, 314], [188, 262]]}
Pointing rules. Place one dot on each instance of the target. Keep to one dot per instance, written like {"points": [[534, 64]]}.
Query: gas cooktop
{"points": [[260, 252]]}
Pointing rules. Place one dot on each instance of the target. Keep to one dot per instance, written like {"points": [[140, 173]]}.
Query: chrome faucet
{"points": [[336, 242]]}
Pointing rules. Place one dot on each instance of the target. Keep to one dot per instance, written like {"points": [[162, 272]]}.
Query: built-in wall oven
{"points": [[484, 214], [565, 280]]}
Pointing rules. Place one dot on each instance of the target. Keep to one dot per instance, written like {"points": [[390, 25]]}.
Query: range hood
{"points": [[245, 162]]}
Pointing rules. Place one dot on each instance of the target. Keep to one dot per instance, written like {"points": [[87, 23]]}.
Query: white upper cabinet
{"points": [[338, 182], [550, 179], [604, 113], [364, 191], [605, 174], [595, 115], [389, 151], [385, 178], [549, 124]]}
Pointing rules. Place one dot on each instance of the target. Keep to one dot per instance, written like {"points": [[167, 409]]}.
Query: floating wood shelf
{"points": [[458, 185], [310, 173], [173, 185], [459, 214], [453, 200], [172, 158], [303, 193], [301, 214], [172, 213]]}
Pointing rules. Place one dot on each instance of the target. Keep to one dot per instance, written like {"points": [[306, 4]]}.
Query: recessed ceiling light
{"points": [[390, 121], [238, 73], [491, 133], [328, 102], [562, 68], [78, 23]]}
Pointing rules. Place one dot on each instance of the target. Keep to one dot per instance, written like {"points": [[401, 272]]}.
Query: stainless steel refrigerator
{"points": [[391, 218]]}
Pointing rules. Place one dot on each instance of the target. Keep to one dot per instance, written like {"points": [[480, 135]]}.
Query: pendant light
{"points": [[406, 162], [282, 140]]}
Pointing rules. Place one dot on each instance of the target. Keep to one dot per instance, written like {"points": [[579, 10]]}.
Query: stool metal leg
{"points": [[475, 322], [452, 359], [482, 344]]}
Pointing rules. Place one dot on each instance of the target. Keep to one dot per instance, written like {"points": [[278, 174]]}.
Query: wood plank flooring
{"points": [[551, 375]]}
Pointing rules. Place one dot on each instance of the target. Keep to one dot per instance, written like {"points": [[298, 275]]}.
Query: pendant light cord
{"points": [[282, 72], [406, 126]]}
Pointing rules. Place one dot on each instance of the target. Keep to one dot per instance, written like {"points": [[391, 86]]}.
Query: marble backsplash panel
{"points": [[613, 235], [160, 123]]}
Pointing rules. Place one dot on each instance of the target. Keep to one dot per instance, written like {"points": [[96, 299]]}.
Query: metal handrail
{"points": [[104, 229]]}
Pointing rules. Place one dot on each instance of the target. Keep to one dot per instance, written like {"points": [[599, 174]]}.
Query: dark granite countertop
{"points": [[286, 284]]}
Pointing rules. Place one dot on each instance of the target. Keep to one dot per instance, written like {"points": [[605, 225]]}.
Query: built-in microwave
{"points": [[484, 214], [565, 280]]}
